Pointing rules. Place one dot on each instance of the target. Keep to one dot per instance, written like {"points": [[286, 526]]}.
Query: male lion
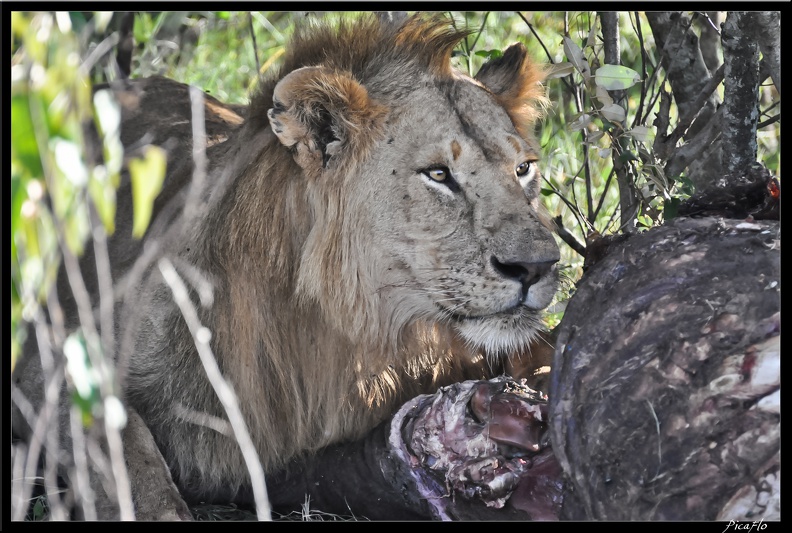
{"points": [[373, 230]]}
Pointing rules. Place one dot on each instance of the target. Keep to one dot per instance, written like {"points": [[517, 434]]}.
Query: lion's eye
{"points": [[441, 175], [524, 168]]}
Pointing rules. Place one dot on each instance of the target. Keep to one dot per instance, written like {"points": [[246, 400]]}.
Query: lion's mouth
{"points": [[509, 312], [504, 331]]}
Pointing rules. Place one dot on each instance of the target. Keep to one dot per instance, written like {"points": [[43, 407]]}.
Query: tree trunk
{"points": [[688, 75], [628, 203], [740, 96], [687, 71]]}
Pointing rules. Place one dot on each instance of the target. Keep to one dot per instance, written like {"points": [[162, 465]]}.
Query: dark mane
{"points": [[386, 58]]}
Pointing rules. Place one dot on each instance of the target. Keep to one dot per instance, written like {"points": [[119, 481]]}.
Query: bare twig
{"points": [[93, 342], [201, 336], [84, 492], [104, 281], [43, 423], [255, 46], [102, 49], [769, 121], [696, 107], [624, 177], [604, 192], [541, 43], [644, 59], [568, 238], [586, 167], [478, 34], [18, 481], [102, 365], [199, 153]]}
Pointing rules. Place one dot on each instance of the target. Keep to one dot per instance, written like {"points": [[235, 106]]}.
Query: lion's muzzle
{"points": [[537, 279]]}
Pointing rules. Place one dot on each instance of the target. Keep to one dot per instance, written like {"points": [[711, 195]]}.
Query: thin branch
{"points": [[255, 46], [697, 106], [769, 121], [83, 490], [43, 423], [198, 153], [644, 60], [768, 108], [604, 192], [201, 336], [481, 30], [586, 168], [568, 238], [541, 43], [93, 344], [573, 208], [101, 49]]}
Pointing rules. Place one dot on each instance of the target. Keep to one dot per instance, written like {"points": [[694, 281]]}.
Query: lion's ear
{"points": [[516, 82], [322, 112]]}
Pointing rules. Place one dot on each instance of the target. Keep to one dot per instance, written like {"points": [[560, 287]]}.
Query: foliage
{"points": [[52, 181]]}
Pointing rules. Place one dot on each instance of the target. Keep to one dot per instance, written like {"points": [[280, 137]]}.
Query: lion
{"points": [[371, 229]]}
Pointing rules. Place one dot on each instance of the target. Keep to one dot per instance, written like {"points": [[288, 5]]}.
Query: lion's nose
{"points": [[526, 273]]}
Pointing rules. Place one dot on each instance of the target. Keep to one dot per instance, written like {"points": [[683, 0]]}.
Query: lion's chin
{"points": [[501, 333]]}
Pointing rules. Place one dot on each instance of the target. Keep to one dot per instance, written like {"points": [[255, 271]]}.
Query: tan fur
{"points": [[345, 280]]}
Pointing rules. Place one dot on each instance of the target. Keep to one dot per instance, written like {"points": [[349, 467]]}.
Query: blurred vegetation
{"points": [[61, 194]]}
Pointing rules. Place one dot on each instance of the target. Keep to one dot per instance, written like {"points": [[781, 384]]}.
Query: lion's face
{"points": [[425, 204], [450, 215]]}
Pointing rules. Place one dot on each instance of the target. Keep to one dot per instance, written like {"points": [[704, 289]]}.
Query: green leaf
{"points": [[594, 136], [38, 509], [76, 226], [613, 112], [616, 77], [639, 133], [686, 182], [78, 21], [103, 194], [490, 54], [645, 221], [147, 175], [575, 56], [671, 208], [23, 138], [559, 70], [18, 196], [580, 122], [627, 156]]}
